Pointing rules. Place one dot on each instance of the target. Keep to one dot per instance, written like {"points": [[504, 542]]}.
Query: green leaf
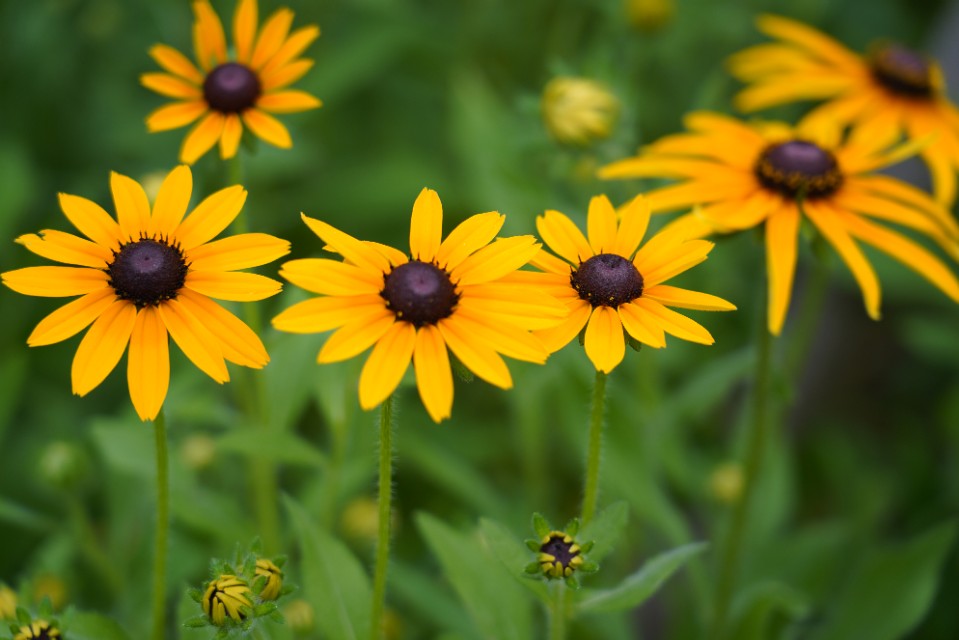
{"points": [[760, 607], [272, 445], [637, 587], [605, 530], [415, 592], [492, 599], [92, 626], [333, 580], [891, 590], [127, 446], [514, 555], [15, 514]]}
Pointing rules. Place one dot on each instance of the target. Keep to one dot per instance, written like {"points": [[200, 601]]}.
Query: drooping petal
{"points": [[91, 220], [477, 357], [237, 286], [102, 346], [238, 342], [357, 336], [202, 137], [555, 338], [605, 344], [601, 224], [237, 252], [331, 277], [71, 318], [267, 128], [641, 326], [210, 217], [468, 237], [176, 63], [563, 237], [132, 205], [686, 299], [434, 377], [55, 282], [495, 260], [231, 136], [387, 363], [290, 101], [674, 323], [176, 115], [272, 36], [66, 248], [426, 226], [322, 314], [244, 29], [194, 339], [349, 247], [782, 235], [171, 202], [148, 364]]}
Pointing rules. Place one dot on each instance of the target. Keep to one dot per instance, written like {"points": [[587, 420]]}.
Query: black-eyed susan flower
{"points": [[558, 554], [610, 284], [889, 92], [273, 578], [745, 175], [146, 275], [227, 598], [578, 111], [449, 294], [38, 630], [229, 90]]}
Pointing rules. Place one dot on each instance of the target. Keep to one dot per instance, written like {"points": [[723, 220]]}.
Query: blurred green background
{"points": [[855, 514]]}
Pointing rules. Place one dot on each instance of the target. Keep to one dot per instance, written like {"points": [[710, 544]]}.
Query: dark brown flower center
{"points": [[146, 272], [557, 547], [420, 293], [799, 169], [902, 70], [607, 280], [231, 88]]}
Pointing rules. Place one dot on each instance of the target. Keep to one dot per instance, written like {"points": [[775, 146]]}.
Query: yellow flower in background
{"points": [[449, 294], [227, 598], [611, 284], [232, 89], [890, 92], [578, 110], [147, 274], [8, 602], [649, 15], [770, 173]]}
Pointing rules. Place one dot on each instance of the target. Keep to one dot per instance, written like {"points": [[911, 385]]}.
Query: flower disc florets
{"points": [[227, 598], [902, 70], [798, 167], [559, 555], [231, 88], [146, 272], [607, 280], [420, 293], [38, 630]]}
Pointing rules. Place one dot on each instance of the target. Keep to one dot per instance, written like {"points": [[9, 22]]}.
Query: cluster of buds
{"points": [[241, 592], [559, 555]]}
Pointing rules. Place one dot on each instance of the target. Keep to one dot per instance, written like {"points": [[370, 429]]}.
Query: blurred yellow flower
{"points": [[8, 603], [274, 578], [890, 92], [745, 175], [146, 275], [448, 295], [299, 615], [726, 482], [609, 283], [649, 15], [578, 110], [229, 91]]}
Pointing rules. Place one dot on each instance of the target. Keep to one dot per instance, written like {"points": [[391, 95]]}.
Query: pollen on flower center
{"points": [[607, 280], [420, 293], [231, 88], [146, 272], [562, 550], [902, 70], [797, 168]]}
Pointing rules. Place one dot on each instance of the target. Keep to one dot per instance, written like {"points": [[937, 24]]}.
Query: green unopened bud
{"points": [[274, 578], [198, 451], [299, 615], [37, 630], [578, 111], [63, 465], [8, 603], [227, 598], [558, 554], [649, 15], [726, 482], [51, 588]]}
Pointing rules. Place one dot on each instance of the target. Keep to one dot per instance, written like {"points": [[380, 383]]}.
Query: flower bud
{"points": [[227, 598], [38, 630], [726, 482], [578, 111], [649, 15], [274, 578]]}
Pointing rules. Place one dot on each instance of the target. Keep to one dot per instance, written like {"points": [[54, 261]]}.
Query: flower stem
{"points": [[755, 446], [557, 612], [594, 453], [162, 528], [385, 503]]}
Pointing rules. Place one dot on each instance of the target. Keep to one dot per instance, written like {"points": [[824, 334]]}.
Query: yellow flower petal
{"points": [[55, 282], [176, 63], [232, 285], [632, 227], [171, 86], [230, 138], [290, 101], [782, 231], [237, 252], [495, 260], [434, 377], [674, 323], [503, 338], [387, 363], [468, 237], [686, 299], [132, 206], [210, 217], [72, 318], [176, 115], [237, 341], [681, 258], [202, 137], [331, 277], [171, 202], [426, 226], [350, 248], [477, 357], [551, 264], [194, 339], [524, 306], [601, 224], [357, 336], [244, 29], [296, 44], [267, 128], [286, 75], [641, 326], [605, 344], [322, 314], [272, 36], [148, 364], [91, 220], [102, 346], [66, 248], [555, 338], [561, 235], [208, 37]]}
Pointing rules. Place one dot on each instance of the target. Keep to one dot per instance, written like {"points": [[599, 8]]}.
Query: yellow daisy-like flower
{"points": [[450, 294], [746, 175], [147, 274], [610, 284], [890, 92], [227, 598], [232, 89]]}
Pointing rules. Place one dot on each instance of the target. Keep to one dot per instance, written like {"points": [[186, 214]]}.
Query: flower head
{"points": [[610, 284], [38, 630], [578, 110], [273, 577], [145, 275], [559, 555], [769, 173], [228, 90], [227, 598], [449, 294], [889, 92]]}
